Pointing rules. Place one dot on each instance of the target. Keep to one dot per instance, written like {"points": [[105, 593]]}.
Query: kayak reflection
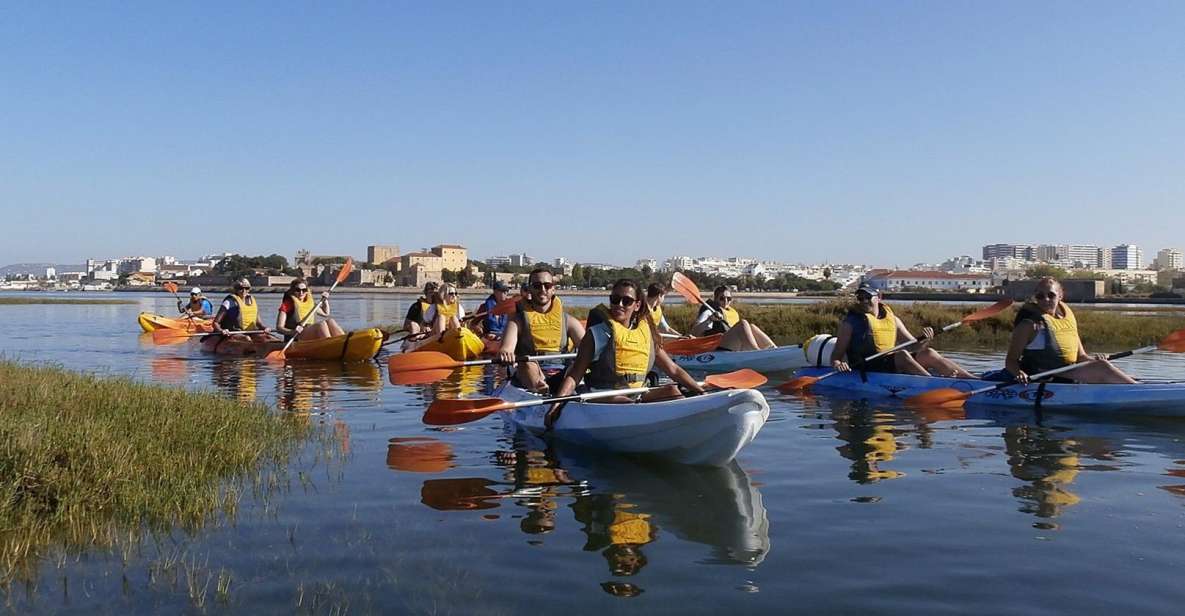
{"points": [[310, 386]]}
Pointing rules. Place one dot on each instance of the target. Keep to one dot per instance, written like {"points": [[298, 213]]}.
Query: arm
{"points": [[842, 340], [575, 373], [509, 342], [281, 320], [323, 307], [1022, 335], [903, 335], [702, 323], [665, 328], [575, 331], [668, 365], [218, 318]]}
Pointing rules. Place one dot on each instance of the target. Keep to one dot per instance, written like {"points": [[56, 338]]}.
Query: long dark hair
{"points": [[643, 314]]}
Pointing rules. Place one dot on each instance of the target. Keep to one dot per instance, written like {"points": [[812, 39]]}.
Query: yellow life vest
{"points": [[731, 316], [655, 315], [544, 332], [1063, 331], [627, 358], [629, 528], [448, 310], [303, 307], [1056, 343], [424, 306], [248, 312], [883, 330]]}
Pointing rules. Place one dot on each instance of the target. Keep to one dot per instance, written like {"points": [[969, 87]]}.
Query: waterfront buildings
{"points": [[896, 280], [1169, 259], [1127, 257], [380, 254]]}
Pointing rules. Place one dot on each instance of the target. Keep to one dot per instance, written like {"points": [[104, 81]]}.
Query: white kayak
{"points": [[777, 359], [707, 430]]}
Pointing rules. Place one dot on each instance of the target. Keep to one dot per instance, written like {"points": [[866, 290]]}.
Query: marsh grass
{"points": [[1102, 329], [89, 462], [15, 301]]}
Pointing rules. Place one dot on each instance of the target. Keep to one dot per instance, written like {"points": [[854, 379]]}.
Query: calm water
{"points": [[838, 505]]}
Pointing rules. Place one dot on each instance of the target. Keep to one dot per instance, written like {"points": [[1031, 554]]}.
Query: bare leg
{"points": [[934, 361], [531, 376], [906, 364], [762, 339], [666, 392], [334, 328], [1100, 372], [739, 338]]}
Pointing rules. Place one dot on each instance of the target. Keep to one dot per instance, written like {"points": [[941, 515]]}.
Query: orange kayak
{"points": [[358, 345], [150, 322]]}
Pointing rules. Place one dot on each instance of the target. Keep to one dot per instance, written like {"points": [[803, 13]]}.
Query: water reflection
{"points": [[308, 386], [237, 378], [1047, 463], [869, 440], [622, 505]]}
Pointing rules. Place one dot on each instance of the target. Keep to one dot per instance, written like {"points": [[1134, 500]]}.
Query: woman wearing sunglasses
{"points": [[446, 311], [622, 349], [1045, 336], [297, 304], [739, 334], [239, 312]]}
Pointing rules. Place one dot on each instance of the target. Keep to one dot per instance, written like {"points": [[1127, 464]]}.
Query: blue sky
{"points": [[877, 132]]}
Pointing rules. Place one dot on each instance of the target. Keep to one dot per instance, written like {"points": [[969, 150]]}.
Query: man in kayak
{"points": [[295, 308], [622, 349], [870, 327], [717, 316], [415, 322], [198, 307], [492, 326], [1045, 336], [656, 293], [539, 326], [240, 312]]}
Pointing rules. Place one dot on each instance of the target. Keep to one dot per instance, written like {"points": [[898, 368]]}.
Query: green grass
{"points": [[95, 462], [1102, 329], [19, 301]]}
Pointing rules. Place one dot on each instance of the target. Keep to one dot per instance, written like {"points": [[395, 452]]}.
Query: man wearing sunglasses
{"points": [[717, 316], [539, 326], [1045, 336], [198, 306], [870, 327], [239, 311]]}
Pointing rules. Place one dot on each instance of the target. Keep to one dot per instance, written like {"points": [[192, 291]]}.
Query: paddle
{"points": [[427, 366], [954, 398], [690, 292], [503, 307], [692, 346], [803, 382], [341, 276], [451, 412]]}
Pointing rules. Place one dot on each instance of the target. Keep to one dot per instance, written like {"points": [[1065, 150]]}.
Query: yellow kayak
{"points": [[358, 345], [150, 322], [459, 344]]}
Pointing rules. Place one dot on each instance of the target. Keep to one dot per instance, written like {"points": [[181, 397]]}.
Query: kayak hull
{"points": [[358, 345], [459, 344], [777, 359], [1143, 399], [150, 322], [707, 430]]}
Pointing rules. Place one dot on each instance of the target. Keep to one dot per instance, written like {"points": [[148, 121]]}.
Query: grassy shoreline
{"points": [[1101, 329], [95, 462], [25, 301]]}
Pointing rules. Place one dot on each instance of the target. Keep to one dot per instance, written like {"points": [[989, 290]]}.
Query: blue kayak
{"points": [[1146, 399]]}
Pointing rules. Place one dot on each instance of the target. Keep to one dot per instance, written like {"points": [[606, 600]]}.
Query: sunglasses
{"points": [[726, 298], [302, 289], [624, 301], [238, 288], [451, 293], [864, 297], [539, 286], [1049, 295]]}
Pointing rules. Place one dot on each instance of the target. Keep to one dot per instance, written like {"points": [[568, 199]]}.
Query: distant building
{"points": [[497, 261], [521, 260], [51, 273], [380, 254], [453, 257], [675, 264], [1103, 260], [1127, 257], [1026, 252], [1169, 259], [559, 262], [939, 281], [645, 263]]}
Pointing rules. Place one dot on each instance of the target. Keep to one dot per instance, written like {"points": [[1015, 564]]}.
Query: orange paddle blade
{"points": [[275, 356], [421, 360], [797, 384], [506, 306], [171, 287], [946, 397], [346, 269], [418, 377], [692, 346], [452, 412], [990, 311], [1173, 343], [745, 378], [685, 287]]}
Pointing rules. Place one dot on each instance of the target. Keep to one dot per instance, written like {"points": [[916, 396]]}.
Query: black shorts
{"points": [[885, 363]]}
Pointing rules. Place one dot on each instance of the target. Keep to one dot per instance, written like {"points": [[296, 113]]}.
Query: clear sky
{"points": [[879, 132]]}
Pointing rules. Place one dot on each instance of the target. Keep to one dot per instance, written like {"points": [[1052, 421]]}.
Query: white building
{"points": [[645, 263], [939, 281], [498, 261], [521, 260], [1127, 256], [1169, 259], [559, 262]]}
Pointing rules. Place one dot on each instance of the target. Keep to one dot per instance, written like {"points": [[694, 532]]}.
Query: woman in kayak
{"points": [[655, 295], [240, 312], [414, 322], [295, 308], [622, 349], [198, 307], [870, 327], [446, 311], [717, 316], [1045, 336]]}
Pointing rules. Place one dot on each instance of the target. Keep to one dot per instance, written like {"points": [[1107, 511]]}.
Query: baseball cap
{"points": [[500, 285], [195, 291], [866, 287]]}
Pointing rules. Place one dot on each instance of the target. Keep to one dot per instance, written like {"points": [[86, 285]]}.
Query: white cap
{"points": [[195, 291]]}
